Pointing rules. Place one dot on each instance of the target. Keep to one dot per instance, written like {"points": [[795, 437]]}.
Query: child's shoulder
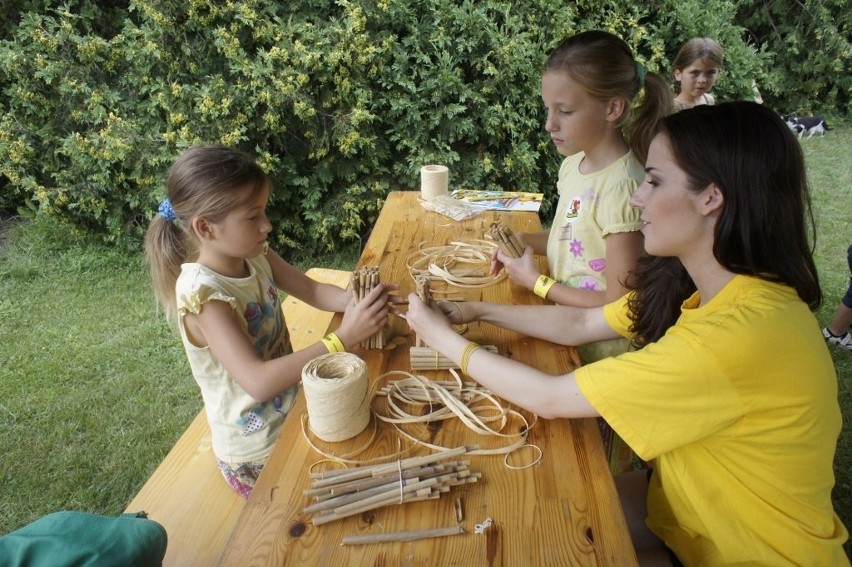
{"points": [[570, 163]]}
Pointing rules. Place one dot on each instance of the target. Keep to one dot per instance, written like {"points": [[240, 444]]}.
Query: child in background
{"points": [[696, 69], [837, 331], [213, 270], [588, 87], [742, 431]]}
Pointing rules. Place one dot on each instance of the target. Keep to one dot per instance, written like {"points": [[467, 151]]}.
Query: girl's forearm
{"points": [[268, 378], [328, 297], [565, 295], [537, 241]]}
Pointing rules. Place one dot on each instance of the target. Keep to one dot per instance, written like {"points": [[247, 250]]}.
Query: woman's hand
{"points": [[521, 271], [428, 321]]}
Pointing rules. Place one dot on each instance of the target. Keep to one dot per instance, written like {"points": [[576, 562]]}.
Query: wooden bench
{"points": [[186, 493]]}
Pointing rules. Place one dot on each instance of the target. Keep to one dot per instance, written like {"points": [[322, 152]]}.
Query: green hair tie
{"points": [[640, 72]]}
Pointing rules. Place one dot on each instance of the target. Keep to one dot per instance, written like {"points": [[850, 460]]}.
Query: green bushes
{"points": [[808, 53], [341, 101]]}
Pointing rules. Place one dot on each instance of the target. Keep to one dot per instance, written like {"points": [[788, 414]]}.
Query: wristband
{"points": [[543, 285], [465, 357], [333, 343]]}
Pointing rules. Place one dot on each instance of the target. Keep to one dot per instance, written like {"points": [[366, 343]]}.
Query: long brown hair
{"points": [[604, 65], [204, 181], [766, 228]]}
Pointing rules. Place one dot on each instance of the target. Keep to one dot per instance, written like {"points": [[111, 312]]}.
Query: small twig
{"points": [[401, 536]]}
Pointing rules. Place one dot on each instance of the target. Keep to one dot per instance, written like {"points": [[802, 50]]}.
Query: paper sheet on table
{"points": [[500, 200], [449, 207]]}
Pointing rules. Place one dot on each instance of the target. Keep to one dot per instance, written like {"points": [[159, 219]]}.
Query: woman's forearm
{"points": [[556, 323], [543, 394]]}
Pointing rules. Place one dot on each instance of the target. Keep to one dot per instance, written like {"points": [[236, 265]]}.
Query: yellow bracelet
{"points": [[466, 354], [333, 343], [543, 285]]}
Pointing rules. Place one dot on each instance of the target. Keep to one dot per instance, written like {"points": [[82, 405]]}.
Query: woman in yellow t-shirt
{"points": [[741, 430]]}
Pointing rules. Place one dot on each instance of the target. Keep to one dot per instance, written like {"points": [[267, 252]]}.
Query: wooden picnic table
{"points": [[563, 510]]}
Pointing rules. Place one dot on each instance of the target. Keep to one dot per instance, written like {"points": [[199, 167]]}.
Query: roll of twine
{"points": [[434, 181], [336, 395]]}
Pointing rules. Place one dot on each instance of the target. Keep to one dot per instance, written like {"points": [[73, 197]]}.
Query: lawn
{"points": [[95, 388]]}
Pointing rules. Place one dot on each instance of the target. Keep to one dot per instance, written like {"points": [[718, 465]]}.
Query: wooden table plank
{"points": [[562, 511]]}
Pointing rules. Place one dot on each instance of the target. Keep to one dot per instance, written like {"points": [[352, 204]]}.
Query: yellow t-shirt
{"points": [[590, 207], [737, 405], [243, 429]]}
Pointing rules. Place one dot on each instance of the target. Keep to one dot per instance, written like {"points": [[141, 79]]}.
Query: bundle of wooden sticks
{"points": [[426, 358], [362, 281], [342, 493], [506, 240]]}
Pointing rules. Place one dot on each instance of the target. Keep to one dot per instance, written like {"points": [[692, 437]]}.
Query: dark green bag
{"points": [[77, 539]]}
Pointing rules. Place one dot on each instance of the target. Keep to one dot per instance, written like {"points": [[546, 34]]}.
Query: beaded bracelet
{"points": [[543, 285], [466, 354], [333, 343]]}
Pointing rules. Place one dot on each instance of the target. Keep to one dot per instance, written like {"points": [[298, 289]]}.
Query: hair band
{"points": [[166, 210], [640, 72]]}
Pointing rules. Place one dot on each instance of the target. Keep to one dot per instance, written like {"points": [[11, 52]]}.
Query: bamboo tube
{"points": [[333, 476], [401, 536], [426, 358], [370, 482], [363, 280], [371, 487], [506, 240], [340, 494]]}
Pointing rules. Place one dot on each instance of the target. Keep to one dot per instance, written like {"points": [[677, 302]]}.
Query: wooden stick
{"points": [[401, 536], [506, 240], [334, 476]]}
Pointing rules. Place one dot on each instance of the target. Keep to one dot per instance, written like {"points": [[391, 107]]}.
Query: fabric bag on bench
{"points": [[78, 539]]}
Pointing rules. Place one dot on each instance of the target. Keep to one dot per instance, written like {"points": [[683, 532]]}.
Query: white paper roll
{"points": [[434, 181]]}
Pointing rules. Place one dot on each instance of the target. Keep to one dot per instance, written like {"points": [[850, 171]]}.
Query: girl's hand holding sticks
{"points": [[363, 319], [522, 271]]}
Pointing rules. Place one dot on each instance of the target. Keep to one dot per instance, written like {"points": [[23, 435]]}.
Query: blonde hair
{"points": [[696, 49], [605, 67], [205, 182]]}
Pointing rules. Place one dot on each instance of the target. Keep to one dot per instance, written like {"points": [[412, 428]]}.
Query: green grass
{"points": [[95, 388]]}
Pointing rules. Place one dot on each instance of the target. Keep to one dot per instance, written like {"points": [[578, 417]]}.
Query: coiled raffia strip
{"points": [[458, 399], [462, 263], [336, 394]]}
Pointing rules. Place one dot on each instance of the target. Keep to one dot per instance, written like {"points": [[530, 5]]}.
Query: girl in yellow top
{"points": [[741, 430], [589, 86], [213, 269]]}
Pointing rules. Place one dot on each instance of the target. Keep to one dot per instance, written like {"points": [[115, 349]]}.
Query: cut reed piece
{"points": [[426, 358], [401, 536], [506, 240], [463, 263], [421, 288], [340, 494], [363, 280]]}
